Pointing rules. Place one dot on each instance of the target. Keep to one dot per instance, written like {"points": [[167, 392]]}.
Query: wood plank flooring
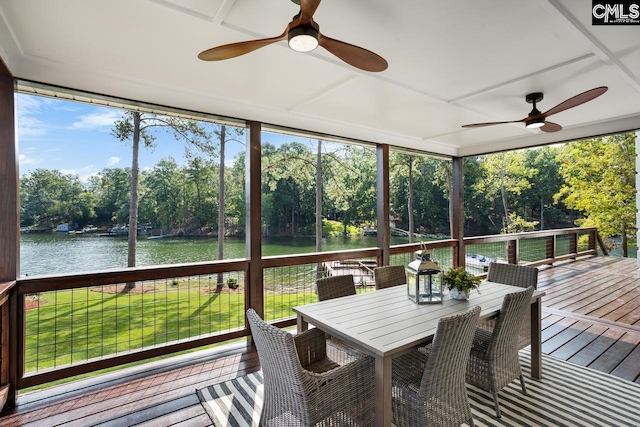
{"points": [[162, 394], [591, 314], [591, 317]]}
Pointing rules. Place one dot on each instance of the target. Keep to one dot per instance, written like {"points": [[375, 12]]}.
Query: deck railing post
{"points": [[9, 221], [7, 365], [592, 240], [254, 286], [512, 251], [551, 248], [456, 206], [573, 244], [382, 191]]}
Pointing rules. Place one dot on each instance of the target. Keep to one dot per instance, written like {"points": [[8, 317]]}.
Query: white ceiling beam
{"points": [[223, 11], [182, 9], [521, 78], [555, 8]]}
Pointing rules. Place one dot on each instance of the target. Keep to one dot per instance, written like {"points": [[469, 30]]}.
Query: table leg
{"points": [[383, 391], [536, 339], [301, 324]]}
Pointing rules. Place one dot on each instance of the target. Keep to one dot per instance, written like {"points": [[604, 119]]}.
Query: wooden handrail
{"points": [[412, 247], [316, 257], [527, 235], [31, 285], [5, 288]]}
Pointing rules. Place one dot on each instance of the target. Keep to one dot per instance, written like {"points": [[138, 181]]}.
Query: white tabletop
{"points": [[386, 321]]}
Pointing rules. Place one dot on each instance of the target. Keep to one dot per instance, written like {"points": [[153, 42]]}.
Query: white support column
{"points": [[638, 192]]}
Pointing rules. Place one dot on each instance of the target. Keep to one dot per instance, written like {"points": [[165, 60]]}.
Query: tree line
{"points": [[589, 182]]}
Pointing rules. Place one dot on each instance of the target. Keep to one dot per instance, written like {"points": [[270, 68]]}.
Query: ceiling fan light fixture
{"points": [[303, 39], [534, 123]]}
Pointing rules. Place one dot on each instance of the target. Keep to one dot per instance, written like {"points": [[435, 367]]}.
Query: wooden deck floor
{"points": [[591, 316]]}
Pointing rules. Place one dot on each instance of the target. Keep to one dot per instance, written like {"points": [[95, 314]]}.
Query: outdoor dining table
{"points": [[386, 323]]}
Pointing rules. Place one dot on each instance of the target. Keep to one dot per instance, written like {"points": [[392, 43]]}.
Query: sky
{"points": [[75, 138]]}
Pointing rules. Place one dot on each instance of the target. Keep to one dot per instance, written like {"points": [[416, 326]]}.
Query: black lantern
{"points": [[425, 284]]}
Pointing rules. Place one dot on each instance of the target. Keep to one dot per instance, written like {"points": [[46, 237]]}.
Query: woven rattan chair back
{"points": [[512, 315], [444, 377], [281, 368], [441, 399], [389, 275], [335, 287], [513, 274], [494, 361], [305, 388]]}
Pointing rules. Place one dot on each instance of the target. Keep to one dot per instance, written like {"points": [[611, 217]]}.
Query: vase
{"points": [[458, 295]]}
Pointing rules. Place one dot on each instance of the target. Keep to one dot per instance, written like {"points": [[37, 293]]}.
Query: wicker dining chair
{"points": [[335, 287], [303, 387], [494, 361], [429, 389], [389, 275], [515, 275]]}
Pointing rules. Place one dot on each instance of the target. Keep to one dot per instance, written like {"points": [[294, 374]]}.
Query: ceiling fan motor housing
{"points": [[303, 38], [536, 119], [534, 97]]}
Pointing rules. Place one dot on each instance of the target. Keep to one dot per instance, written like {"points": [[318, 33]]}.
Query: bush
{"points": [[332, 228], [232, 283]]}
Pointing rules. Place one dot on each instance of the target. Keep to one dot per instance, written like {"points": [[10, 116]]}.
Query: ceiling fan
{"points": [[536, 119], [303, 35]]}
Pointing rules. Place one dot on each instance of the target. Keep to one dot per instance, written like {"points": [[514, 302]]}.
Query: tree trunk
{"points": [[449, 181], [503, 194], [221, 209], [541, 213], [133, 205], [293, 214], [319, 270], [410, 200]]}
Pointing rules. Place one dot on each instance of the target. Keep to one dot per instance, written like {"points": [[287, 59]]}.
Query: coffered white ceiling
{"points": [[450, 63]]}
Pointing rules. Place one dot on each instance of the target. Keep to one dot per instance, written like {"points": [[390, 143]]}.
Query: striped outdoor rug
{"points": [[568, 395]]}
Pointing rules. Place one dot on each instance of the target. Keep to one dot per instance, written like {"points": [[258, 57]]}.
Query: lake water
{"points": [[60, 253]]}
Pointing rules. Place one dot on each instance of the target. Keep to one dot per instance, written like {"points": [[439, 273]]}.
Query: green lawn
{"points": [[71, 326], [76, 325]]}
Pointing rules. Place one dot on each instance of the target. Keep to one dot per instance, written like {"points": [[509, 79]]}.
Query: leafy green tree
{"points": [[235, 202], [599, 177], [544, 184], [402, 171], [289, 186], [431, 199], [517, 224], [163, 199], [476, 208], [505, 176], [351, 184], [202, 191], [224, 135], [48, 197], [111, 188], [137, 126]]}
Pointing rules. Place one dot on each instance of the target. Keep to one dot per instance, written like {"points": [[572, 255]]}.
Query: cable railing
{"points": [[77, 324], [534, 248], [81, 323]]}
